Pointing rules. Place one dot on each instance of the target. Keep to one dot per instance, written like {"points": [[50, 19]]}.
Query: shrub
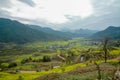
{"points": [[46, 59], [26, 60], [38, 70], [13, 64], [36, 60]]}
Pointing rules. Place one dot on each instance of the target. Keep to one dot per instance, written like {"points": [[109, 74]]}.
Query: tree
{"points": [[99, 71], [46, 59], [105, 49], [25, 60], [13, 64], [68, 60]]}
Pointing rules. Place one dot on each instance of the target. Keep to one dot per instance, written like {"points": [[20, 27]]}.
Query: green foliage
{"points": [[115, 52], [46, 59], [37, 60], [38, 70], [34, 55], [26, 60], [12, 64]]}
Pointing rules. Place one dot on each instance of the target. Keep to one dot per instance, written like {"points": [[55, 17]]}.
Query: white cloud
{"points": [[52, 11], [61, 14]]}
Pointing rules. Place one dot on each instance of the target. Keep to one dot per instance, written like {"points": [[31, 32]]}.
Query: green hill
{"points": [[52, 32], [14, 31], [111, 32]]}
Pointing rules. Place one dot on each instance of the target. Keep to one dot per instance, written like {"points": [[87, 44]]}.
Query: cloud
{"points": [[106, 6], [59, 14], [106, 13], [55, 11], [52, 11], [28, 2], [5, 3]]}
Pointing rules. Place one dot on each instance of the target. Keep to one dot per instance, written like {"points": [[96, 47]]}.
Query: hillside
{"points": [[51, 31], [64, 33], [14, 31], [110, 32], [84, 32]]}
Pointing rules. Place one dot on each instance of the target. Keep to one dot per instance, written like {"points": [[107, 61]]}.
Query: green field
{"points": [[40, 60]]}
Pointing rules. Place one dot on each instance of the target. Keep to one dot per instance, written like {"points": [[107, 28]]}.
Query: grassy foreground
{"points": [[33, 75]]}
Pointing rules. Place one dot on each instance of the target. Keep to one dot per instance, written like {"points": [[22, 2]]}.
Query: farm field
{"points": [[76, 59]]}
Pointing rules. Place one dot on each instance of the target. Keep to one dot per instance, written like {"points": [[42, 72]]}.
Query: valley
{"points": [[58, 60], [59, 40]]}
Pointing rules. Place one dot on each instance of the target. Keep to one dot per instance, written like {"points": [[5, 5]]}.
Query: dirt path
{"points": [[61, 57]]}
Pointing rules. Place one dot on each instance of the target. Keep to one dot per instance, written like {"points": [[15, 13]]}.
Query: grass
{"points": [[8, 76], [30, 76], [115, 52], [26, 76], [33, 52], [24, 67]]}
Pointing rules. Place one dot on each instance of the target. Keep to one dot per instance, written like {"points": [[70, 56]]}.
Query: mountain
{"points": [[51, 31], [14, 31], [64, 33], [110, 32], [84, 32]]}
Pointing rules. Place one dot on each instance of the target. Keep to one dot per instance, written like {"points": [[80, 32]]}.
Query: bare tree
{"points": [[99, 71], [105, 49]]}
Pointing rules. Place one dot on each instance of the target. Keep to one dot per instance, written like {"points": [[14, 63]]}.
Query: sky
{"points": [[63, 14]]}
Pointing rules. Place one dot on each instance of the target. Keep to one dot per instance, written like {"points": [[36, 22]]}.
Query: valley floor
{"points": [[58, 60]]}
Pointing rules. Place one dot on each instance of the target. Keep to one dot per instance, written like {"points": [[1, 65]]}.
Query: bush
{"points": [[26, 60], [38, 70], [36, 60], [23, 61], [46, 59], [13, 64]]}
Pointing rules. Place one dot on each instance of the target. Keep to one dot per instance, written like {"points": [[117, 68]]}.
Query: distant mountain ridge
{"points": [[67, 34], [51, 31], [84, 32], [14, 31], [110, 32]]}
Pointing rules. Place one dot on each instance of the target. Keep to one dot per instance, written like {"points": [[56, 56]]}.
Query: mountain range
{"points": [[84, 32], [112, 32], [16, 32], [52, 32]]}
